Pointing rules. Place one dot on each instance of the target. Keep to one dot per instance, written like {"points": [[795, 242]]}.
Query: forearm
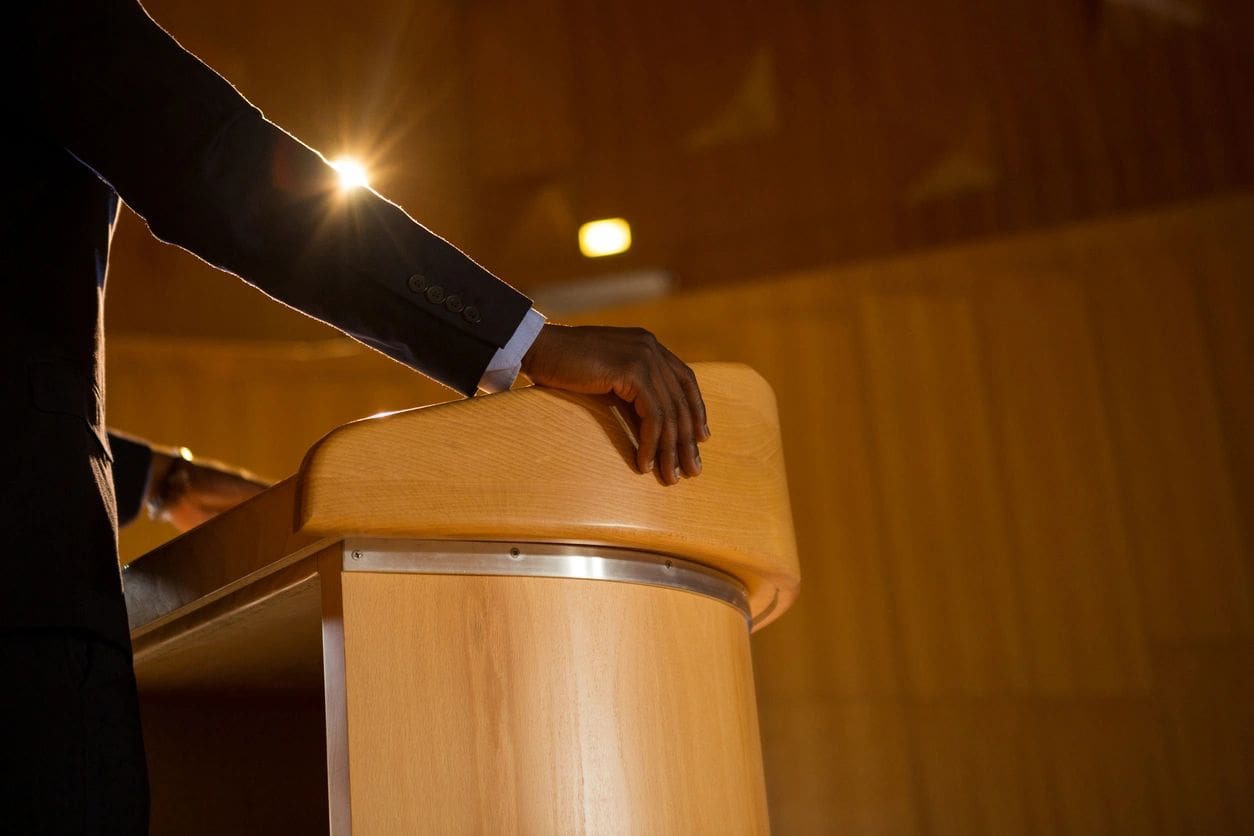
{"points": [[186, 491], [173, 485]]}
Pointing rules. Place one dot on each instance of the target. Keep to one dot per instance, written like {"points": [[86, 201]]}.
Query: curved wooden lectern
{"points": [[474, 617]]}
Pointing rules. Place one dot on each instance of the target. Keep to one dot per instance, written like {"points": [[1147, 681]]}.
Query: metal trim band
{"points": [[543, 560]]}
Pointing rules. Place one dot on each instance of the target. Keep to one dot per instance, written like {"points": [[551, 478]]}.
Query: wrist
{"points": [[537, 350]]}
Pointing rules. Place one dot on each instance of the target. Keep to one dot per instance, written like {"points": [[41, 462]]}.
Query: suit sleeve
{"points": [[207, 172], [132, 460]]}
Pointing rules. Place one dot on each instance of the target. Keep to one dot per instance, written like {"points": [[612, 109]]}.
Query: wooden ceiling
{"points": [[740, 139]]}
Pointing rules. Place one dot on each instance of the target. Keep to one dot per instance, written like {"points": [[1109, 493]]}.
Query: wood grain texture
{"points": [[1043, 456], [232, 702], [1080, 608], [539, 465], [335, 694], [1179, 497], [943, 494], [266, 637], [541, 705], [250, 541], [173, 392], [849, 628], [1209, 717], [839, 765], [1110, 366]]}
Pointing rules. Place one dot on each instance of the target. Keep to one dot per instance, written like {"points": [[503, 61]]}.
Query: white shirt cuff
{"points": [[507, 362]]}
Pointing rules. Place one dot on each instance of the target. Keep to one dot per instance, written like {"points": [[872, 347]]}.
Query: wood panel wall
{"points": [[1022, 474]]}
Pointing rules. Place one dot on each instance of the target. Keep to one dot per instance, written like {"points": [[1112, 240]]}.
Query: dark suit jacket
{"points": [[110, 105]]}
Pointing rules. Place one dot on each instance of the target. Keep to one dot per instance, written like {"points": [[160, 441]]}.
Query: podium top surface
{"points": [[530, 465]]}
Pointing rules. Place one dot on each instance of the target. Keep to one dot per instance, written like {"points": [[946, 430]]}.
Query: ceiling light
{"points": [[605, 237]]}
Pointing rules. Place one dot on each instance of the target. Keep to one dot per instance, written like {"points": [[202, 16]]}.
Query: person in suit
{"points": [[108, 106]]}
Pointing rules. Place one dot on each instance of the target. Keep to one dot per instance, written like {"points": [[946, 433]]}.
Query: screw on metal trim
{"points": [[356, 555], [515, 554]]}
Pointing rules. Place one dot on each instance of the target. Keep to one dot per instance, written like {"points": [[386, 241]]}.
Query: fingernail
{"points": [[707, 430], [679, 474], [648, 468], [697, 458]]}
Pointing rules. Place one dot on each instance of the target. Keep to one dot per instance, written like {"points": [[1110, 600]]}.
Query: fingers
{"points": [[692, 392], [674, 414], [689, 460], [670, 418], [650, 430]]}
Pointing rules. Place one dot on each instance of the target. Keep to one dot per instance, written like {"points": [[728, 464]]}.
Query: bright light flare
{"points": [[610, 236], [352, 174]]}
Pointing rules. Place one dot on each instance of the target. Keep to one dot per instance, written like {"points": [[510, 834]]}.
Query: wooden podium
{"points": [[474, 618]]}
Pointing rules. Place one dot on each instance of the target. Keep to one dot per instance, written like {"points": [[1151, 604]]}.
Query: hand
{"points": [[632, 364], [186, 492]]}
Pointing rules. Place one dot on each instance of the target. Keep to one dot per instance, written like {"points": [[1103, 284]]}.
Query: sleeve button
{"points": [[435, 294], [417, 283], [471, 315], [454, 303]]}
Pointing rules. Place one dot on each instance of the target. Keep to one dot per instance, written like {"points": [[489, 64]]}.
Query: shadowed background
{"points": [[996, 260]]}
